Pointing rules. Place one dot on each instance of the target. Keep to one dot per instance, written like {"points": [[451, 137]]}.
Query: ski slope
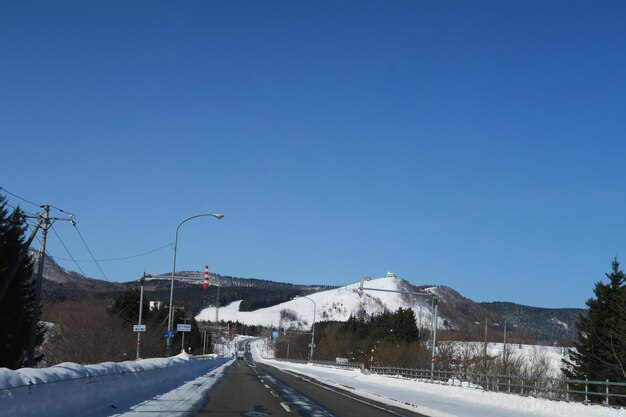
{"points": [[331, 305]]}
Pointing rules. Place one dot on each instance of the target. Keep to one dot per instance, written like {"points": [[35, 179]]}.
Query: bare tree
{"points": [[83, 332]]}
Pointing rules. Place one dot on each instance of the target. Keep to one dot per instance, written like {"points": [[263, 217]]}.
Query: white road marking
{"points": [[286, 407]]}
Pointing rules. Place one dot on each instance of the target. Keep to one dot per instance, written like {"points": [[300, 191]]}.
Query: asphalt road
{"points": [[251, 389]]}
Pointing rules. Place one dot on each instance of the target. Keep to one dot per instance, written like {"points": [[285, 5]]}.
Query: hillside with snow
{"points": [[333, 305]]}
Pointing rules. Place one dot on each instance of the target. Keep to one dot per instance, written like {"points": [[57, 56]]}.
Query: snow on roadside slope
{"points": [[439, 400], [187, 399], [95, 390]]}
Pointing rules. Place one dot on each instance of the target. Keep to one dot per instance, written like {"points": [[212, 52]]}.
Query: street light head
{"points": [[218, 216]]}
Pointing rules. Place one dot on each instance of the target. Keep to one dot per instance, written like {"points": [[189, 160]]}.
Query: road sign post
{"points": [[184, 328]]}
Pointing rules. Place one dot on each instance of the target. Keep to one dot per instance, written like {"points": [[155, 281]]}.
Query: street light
{"points": [[169, 319], [312, 327]]}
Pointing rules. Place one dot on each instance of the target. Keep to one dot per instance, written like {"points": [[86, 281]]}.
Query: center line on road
{"points": [[286, 407]]}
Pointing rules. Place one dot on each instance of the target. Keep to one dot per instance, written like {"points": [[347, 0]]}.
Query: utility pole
{"points": [[217, 302], [434, 357], [504, 347], [44, 223], [143, 279], [182, 343], [485, 347]]}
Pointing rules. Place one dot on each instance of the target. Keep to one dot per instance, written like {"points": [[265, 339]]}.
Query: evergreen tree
{"points": [[600, 351], [406, 325], [17, 305], [126, 305]]}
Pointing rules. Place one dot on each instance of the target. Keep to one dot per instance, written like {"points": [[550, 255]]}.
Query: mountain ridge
{"points": [[457, 312]]}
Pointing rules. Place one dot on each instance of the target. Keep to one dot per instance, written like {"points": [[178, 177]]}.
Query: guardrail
{"points": [[344, 365], [585, 391]]}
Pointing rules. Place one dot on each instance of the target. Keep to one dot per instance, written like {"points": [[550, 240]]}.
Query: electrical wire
{"points": [[123, 258], [62, 211], [30, 223], [68, 251], [90, 252], [31, 202], [17, 196], [17, 207]]}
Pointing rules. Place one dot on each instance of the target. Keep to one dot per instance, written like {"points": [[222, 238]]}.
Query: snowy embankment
{"points": [[436, 400], [69, 389]]}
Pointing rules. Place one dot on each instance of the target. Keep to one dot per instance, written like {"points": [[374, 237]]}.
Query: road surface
{"points": [[251, 389]]}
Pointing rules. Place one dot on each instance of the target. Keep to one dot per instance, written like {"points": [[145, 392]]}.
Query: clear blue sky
{"points": [[479, 145]]}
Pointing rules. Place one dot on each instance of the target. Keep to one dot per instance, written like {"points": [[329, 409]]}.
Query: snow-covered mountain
{"points": [[333, 305]]}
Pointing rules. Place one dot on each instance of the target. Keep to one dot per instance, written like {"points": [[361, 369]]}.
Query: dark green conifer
{"points": [[600, 351], [17, 304]]}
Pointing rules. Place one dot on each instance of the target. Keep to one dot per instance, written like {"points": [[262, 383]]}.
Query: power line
{"points": [[120, 259], [62, 211], [31, 202], [17, 207], [68, 251], [17, 196], [90, 253]]}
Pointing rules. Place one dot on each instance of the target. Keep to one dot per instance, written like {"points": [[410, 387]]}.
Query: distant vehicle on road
{"points": [[240, 354]]}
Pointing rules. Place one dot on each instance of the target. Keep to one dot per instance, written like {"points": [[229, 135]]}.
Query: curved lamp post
{"points": [[313, 327], [169, 319]]}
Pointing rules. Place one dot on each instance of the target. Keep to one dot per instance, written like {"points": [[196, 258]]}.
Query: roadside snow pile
{"points": [[186, 400], [69, 389], [437, 400]]}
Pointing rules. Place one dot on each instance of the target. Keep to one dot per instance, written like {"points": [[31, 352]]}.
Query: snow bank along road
{"points": [[69, 389], [434, 400]]}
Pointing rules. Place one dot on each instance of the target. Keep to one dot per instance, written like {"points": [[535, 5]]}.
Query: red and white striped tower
{"points": [[205, 284]]}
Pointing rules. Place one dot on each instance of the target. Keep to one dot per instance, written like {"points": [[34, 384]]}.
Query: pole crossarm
{"points": [[425, 294], [435, 301], [169, 277]]}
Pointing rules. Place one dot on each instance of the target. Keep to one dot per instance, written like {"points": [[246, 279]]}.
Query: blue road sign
{"points": [[169, 334]]}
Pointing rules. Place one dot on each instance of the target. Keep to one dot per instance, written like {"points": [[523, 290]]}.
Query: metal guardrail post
{"points": [[550, 388]]}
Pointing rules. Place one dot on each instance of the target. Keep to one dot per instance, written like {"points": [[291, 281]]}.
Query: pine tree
{"points": [[126, 305], [600, 351], [17, 305]]}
